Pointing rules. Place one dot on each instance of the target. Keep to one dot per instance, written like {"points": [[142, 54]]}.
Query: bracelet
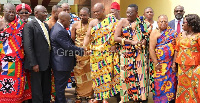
{"points": [[123, 41]]}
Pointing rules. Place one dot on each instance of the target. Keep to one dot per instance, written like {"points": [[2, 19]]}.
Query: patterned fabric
{"points": [[74, 18], [104, 64], [82, 71], [14, 86], [133, 67], [165, 80], [188, 89]]}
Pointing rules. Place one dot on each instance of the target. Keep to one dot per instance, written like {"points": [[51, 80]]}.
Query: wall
{"points": [[161, 6]]}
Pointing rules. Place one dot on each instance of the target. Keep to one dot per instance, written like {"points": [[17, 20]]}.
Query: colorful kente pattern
{"points": [[104, 64], [134, 63], [165, 81], [14, 86], [188, 48]]}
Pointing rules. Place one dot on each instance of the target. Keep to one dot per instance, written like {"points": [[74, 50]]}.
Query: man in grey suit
{"points": [[176, 23], [37, 55], [62, 55]]}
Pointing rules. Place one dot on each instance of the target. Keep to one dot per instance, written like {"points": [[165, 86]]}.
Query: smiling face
{"points": [[24, 14], [131, 14], [41, 13], [98, 11]]}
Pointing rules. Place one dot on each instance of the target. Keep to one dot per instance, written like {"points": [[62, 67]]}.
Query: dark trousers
{"points": [[41, 86], [61, 79]]}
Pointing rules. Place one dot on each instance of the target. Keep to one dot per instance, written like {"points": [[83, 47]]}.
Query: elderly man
{"points": [[37, 55], [115, 10], [162, 54], [105, 70], [12, 74], [176, 24], [148, 14], [56, 9], [63, 55]]}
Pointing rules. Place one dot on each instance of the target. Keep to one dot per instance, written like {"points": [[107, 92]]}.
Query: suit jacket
{"points": [[35, 46], [63, 49], [172, 24]]}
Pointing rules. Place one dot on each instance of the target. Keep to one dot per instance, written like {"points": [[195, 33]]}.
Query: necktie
{"points": [[46, 34], [178, 27]]}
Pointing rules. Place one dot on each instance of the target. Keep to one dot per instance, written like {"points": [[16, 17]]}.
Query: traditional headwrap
{"points": [[23, 6], [115, 5]]}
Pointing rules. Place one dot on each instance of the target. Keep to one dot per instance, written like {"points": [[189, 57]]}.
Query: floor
{"points": [[69, 94]]}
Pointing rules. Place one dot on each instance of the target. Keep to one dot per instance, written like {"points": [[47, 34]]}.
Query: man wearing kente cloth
{"points": [[162, 54], [105, 70], [13, 85], [132, 34]]}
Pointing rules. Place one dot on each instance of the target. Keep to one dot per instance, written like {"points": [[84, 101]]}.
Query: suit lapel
{"points": [[40, 29]]}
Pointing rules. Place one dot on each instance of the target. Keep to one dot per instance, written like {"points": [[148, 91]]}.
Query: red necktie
{"points": [[178, 27]]}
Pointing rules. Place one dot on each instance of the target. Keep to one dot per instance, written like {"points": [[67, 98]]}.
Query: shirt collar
{"points": [[178, 20], [60, 24], [38, 20]]}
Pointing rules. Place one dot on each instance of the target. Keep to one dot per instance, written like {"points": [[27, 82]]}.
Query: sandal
{"points": [[78, 100]]}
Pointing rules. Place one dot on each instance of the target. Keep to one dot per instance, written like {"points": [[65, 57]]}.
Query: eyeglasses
{"points": [[178, 10], [26, 12]]}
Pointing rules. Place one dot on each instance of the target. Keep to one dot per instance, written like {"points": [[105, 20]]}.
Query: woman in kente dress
{"points": [[188, 59], [82, 71]]}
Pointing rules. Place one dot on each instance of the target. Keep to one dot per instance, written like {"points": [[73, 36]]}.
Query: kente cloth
{"points": [[104, 64], [188, 89], [165, 81], [82, 71], [73, 19], [134, 63], [14, 87]]}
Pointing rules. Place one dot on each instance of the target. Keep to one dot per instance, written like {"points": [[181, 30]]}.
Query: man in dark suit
{"points": [[176, 24], [37, 55], [63, 55]]}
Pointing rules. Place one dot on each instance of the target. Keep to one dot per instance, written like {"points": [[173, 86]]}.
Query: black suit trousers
{"points": [[61, 80], [41, 86]]}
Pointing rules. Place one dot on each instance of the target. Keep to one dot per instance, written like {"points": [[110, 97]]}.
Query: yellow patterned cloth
{"points": [[104, 64], [82, 71]]}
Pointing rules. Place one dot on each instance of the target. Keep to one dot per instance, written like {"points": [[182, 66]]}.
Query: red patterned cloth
{"points": [[14, 85]]}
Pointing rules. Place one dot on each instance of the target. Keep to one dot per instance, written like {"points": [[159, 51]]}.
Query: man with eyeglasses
{"points": [[37, 55], [24, 11], [176, 24]]}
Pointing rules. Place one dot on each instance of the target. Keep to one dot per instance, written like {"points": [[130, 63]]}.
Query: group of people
{"points": [[110, 56]]}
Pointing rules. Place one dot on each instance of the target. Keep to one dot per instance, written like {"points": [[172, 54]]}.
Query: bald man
{"points": [[176, 23], [63, 55], [37, 50], [56, 9], [73, 18], [103, 66]]}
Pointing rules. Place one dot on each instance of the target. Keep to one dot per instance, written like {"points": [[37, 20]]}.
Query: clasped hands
{"points": [[139, 44]]}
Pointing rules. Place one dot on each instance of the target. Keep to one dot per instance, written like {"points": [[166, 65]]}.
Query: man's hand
{"points": [[113, 49], [86, 51], [36, 68], [174, 67], [1, 68], [158, 67]]}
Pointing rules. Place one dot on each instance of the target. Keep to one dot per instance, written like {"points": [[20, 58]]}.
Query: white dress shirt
{"points": [[176, 23]]}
